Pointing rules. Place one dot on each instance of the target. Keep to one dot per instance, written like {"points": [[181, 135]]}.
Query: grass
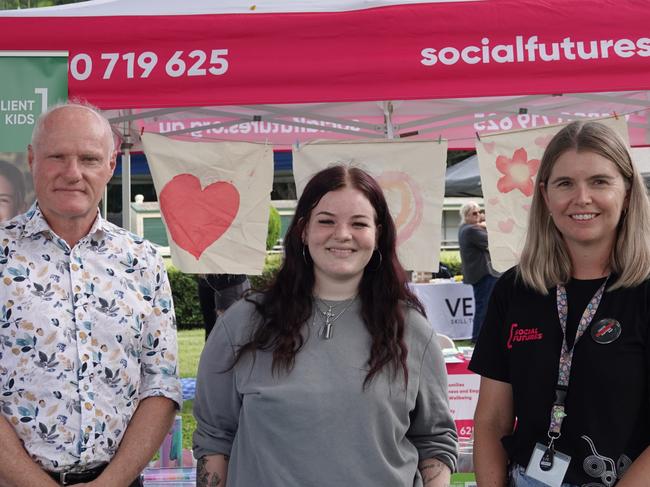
{"points": [[189, 424], [190, 345]]}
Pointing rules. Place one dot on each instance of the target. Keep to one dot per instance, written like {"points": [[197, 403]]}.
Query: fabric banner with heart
{"points": [[412, 175], [508, 163], [214, 199]]}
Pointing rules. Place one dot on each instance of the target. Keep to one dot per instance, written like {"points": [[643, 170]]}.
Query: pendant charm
{"points": [[328, 331], [546, 463]]}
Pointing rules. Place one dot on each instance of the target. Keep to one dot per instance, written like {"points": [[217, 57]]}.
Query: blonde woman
{"points": [[564, 353]]}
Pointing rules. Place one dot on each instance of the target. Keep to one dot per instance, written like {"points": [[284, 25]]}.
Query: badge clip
{"points": [[546, 463]]}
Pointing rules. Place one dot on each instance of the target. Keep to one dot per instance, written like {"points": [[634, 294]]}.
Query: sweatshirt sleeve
{"points": [[432, 429], [217, 402]]}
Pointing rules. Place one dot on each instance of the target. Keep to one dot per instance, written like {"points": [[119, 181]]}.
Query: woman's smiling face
{"points": [[586, 195], [341, 235]]}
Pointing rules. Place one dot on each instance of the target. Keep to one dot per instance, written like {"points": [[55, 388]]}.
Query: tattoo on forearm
{"points": [[204, 478], [431, 470]]}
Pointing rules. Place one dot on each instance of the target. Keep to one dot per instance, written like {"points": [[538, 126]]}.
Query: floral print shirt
{"points": [[85, 334]]}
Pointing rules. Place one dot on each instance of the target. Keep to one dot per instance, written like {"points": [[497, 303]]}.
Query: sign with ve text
{"points": [[29, 83], [449, 307]]}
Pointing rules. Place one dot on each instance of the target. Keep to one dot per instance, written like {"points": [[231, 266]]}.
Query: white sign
{"points": [[449, 307]]}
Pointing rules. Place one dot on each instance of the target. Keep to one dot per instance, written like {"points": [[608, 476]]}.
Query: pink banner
{"points": [[284, 135], [416, 51]]}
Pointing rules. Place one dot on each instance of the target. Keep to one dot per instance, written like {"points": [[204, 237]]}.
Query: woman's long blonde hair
{"points": [[545, 260]]}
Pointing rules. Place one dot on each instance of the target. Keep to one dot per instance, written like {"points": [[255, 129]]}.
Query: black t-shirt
{"points": [[607, 404]]}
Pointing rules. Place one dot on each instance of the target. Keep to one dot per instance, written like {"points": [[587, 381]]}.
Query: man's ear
{"points": [[112, 161]]}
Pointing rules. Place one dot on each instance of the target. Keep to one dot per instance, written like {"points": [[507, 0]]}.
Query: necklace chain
{"points": [[327, 330]]}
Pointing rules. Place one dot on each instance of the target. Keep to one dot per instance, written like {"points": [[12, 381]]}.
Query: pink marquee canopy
{"points": [[288, 71]]}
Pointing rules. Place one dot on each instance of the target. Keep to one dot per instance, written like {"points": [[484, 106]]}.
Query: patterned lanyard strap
{"points": [[566, 354]]}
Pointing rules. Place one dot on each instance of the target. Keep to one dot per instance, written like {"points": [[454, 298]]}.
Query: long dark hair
{"points": [[286, 304]]}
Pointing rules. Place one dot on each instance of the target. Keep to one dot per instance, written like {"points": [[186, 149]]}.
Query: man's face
{"points": [[473, 216], [71, 163], [8, 205]]}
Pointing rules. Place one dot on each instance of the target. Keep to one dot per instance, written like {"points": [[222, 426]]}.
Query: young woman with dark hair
{"points": [[332, 375]]}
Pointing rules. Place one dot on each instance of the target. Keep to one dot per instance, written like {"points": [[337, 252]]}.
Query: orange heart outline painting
{"points": [[411, 204], [197, 217]]}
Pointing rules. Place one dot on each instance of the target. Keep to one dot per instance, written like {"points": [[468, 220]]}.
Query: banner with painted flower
{"points": [[508, 163], [412, 175], [214, 199]]}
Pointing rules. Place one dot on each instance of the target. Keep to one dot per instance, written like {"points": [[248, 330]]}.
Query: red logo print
{"points": [[523, 335]]}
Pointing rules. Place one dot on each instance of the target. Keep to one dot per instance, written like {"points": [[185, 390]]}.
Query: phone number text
{"points": [[141, 65]]}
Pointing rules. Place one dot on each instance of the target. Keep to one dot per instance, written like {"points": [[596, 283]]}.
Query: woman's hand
{"points": [[212, 471], [434, 473]]}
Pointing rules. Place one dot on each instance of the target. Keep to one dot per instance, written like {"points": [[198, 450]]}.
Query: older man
{"points": [[476, 262], [88, 380]]}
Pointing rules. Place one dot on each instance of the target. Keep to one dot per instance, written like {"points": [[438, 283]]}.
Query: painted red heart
{"points": [[196, 217]]}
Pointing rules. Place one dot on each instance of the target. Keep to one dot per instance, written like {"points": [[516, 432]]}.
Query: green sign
{"points": [[29, 83]]}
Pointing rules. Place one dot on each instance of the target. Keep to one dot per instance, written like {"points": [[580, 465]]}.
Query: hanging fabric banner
{"points": [[214, 199], [412, 175], [508, 163]]}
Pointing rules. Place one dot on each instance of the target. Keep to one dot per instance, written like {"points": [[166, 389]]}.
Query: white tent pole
{"points": [[388, 119], [126, 175], [104, 209]]}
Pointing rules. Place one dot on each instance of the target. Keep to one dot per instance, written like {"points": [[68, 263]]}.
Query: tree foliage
{"points": [[16, 4]]}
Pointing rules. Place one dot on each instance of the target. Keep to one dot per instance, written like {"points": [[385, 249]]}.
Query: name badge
{"points": [[548, 465]]}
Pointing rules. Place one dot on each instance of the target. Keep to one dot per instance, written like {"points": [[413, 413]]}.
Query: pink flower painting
{"points": [[518, 172]]}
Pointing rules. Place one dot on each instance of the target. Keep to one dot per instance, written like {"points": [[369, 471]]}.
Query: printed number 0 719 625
{"points": [[194, 63]]}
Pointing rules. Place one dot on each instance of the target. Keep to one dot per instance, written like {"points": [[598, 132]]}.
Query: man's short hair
{"points": [[467, 208], [40, 121], [12, 174]]}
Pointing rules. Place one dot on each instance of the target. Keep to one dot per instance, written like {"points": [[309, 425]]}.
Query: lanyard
{"points": [[566, 354]]}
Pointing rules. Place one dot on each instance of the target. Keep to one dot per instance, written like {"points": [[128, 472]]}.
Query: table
{"points": [[449, 306]]}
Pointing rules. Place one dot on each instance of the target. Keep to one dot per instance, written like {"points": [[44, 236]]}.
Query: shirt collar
{"points": [[37, 224]]}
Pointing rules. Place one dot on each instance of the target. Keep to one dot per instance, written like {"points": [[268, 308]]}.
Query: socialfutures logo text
{"points": [[532, 50]]}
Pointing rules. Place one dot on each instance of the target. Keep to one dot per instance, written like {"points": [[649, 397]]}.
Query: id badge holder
{"points": [[548, 465]]}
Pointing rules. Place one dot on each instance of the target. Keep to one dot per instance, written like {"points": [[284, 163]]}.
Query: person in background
{"points": [[332, 375], [475, 261], [217, 292], [12, 191], [576, 307], [87, 331]]}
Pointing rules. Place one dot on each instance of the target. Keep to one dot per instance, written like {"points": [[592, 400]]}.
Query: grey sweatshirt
{"points": [[316, 425]]}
